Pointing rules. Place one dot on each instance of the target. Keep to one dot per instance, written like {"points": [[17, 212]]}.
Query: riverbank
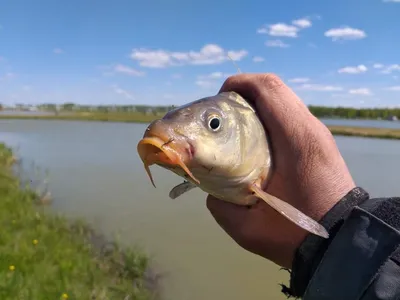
{"points": [[45, 256], [382, 133], [129, 117]]}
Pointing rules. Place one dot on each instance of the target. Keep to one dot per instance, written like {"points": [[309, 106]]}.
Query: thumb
{"points": [[227, 215]]}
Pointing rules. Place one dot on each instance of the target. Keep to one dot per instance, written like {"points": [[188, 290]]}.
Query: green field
{"points": [[131, 117], [45, 256]]}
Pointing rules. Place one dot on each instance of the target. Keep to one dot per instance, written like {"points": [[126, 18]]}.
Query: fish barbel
{"points": [[218, 144]]}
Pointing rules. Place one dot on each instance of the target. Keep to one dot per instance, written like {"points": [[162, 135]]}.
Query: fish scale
{"points": [[218, 144]]}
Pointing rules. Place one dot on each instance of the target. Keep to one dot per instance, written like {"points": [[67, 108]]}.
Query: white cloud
{"points": [[299, 80], [280, 29], [320, 87], [210, 54], [122, 92], [258, 59], [176, 76], [395, 88], [237, 55], [360, 91], [378, 66], [285, 30], [58, 51], [7, 76], [215, 75], [127, 70], [345, 33], [394, 1], [205, 83], [353, 70], [340, 95], [111, 70], [210, 80], [276, 43], [312, 45], [302, 23], [390, 68]]}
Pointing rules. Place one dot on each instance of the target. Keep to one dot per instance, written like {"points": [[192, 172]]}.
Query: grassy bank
{"points": [[142, 118], [381, 133], [130, 117], [45, 256]]}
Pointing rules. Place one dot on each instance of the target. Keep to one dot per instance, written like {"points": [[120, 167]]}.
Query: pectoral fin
{"points": [[180, 189], [291, 213]]}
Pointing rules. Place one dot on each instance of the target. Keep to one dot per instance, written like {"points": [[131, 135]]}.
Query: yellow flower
{"points": [[12, 268], [35, 242], [64, 296]]}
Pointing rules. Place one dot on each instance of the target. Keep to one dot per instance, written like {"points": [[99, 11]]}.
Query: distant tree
{"points": [[67, 106], [47, 107], [318, 111], [351, 113]]}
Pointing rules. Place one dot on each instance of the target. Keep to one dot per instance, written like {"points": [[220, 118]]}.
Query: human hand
{"points": [[308, 171]]}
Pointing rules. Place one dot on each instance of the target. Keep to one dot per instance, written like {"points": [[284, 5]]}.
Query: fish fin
{"points": [[180, 189], [291, 213]]}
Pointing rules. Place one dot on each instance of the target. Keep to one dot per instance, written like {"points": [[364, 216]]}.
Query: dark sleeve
{"points": [[361, 258]]}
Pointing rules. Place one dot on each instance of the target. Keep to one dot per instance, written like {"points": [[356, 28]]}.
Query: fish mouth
{"points": [[165, 153]]}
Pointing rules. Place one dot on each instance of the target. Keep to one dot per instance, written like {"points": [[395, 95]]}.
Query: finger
{"points": [[278, 106], [227, 215], [244, 224]]}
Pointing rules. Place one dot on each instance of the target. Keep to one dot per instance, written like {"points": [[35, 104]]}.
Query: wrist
{"points": [[311, 250]]}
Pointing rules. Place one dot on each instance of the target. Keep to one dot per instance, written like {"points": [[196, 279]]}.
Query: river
{"points": [[95, 173]]}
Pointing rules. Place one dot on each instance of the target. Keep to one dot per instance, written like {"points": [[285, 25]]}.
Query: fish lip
{"points": [[164, 145], [181, 145], [170, 153]]}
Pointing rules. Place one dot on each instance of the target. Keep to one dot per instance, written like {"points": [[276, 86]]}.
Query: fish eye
{"points": [[214, 123]]}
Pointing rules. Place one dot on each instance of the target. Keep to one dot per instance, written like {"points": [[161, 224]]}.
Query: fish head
{"points": [[198, 138], [219, 144]]}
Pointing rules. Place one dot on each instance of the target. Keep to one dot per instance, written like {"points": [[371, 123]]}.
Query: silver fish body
{"points": [[218, 144]]}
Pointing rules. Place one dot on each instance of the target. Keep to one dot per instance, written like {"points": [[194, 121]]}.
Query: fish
{"points": [[218, 144]]}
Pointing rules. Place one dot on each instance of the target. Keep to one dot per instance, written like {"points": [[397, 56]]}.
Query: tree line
{"points": [[318, 111], [72, 107], [354, 113]]}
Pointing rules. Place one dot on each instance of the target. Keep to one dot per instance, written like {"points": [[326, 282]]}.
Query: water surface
{"points": [[96, 173], [362, 123]]}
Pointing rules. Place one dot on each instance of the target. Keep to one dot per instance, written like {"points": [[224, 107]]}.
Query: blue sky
{"points": [[340, 52]]}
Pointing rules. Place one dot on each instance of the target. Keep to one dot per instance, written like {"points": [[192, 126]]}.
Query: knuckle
{"points": [[232, 80], [271, 81], [263, 80]]}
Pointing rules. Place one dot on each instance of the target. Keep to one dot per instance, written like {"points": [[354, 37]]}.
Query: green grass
{"points": [[135, 117], [45, 256], [381, 133], [128, 117]]}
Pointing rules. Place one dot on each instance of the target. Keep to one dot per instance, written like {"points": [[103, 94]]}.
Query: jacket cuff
{"points": [[356, 257], [308, 256]]}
